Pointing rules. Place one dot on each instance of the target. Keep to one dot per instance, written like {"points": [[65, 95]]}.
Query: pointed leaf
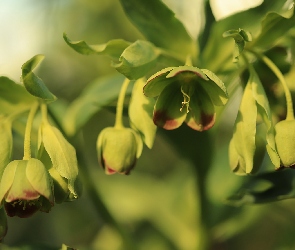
{"points": [[140, 113], [112, 48], [33, 84], [274, 26], [158, 24], [245, 131], [265, 112], [137, 60], [61, 153]]}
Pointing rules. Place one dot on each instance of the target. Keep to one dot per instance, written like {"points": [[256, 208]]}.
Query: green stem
{"points": [[280, 76], [27, 139], [188, 61], [120, 104], [44, 112]]}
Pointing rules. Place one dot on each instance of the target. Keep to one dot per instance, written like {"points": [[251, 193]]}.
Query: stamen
{"points": [[186, 100]]}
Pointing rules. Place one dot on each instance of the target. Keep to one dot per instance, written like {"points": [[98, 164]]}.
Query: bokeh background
{"points": [[158, 203]]}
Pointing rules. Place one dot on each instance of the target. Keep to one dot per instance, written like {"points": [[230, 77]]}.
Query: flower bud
{"points": [[118, 149], [285, 142], [26, 188]]}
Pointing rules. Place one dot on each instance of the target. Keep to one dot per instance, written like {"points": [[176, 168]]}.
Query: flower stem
{"points": [[27, 139], [120, 104], [44, 112], [280, 76]]}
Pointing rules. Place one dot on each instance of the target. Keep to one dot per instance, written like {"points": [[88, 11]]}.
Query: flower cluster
{"points": [[33, 183]]}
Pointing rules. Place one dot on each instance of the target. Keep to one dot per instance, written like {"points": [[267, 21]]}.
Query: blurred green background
{"points": [[158, 204]]}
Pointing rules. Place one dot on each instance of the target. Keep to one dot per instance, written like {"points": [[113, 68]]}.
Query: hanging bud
{"points": [[26, 188], [118, 149], [285, 142]]}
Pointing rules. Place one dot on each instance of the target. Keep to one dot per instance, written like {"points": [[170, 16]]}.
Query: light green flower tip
{"points": [[118, 149]]}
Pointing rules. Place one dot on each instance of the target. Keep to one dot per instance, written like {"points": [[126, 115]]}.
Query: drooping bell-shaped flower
{"points": [[185, 94], [118, 149], [25, 188]]}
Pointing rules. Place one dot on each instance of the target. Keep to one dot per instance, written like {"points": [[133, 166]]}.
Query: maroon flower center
{"points": [[22, 208]]}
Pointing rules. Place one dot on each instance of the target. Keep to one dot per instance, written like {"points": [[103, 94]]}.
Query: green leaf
{"points": [[140, 113], [137, 59], [159, 25], [33, 84], [217, 52], [274, 26], [13, 96], [61, 153], [241, 37], [112, 48], [264, 188], [265, 112], [97, 94], [242, 146]]}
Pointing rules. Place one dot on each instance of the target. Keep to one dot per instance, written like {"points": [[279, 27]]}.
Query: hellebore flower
{"points": [[285, 142], [187, 94], [26, 188], [118, 149]]}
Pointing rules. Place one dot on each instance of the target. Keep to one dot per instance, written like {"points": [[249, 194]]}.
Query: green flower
{"points": [[118, 149], [187, 94], [26, 188]]}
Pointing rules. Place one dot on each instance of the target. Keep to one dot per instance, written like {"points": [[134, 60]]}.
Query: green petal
{"points": [[215, 88], [167, 112], [39, 178], [7, 179], [182, 69], [202, 113], [157, 82]]}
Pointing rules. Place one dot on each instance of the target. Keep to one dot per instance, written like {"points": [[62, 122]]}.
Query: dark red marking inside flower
{"points": [[31, 195], [161, 119], [207, 120], [21, 208]]}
